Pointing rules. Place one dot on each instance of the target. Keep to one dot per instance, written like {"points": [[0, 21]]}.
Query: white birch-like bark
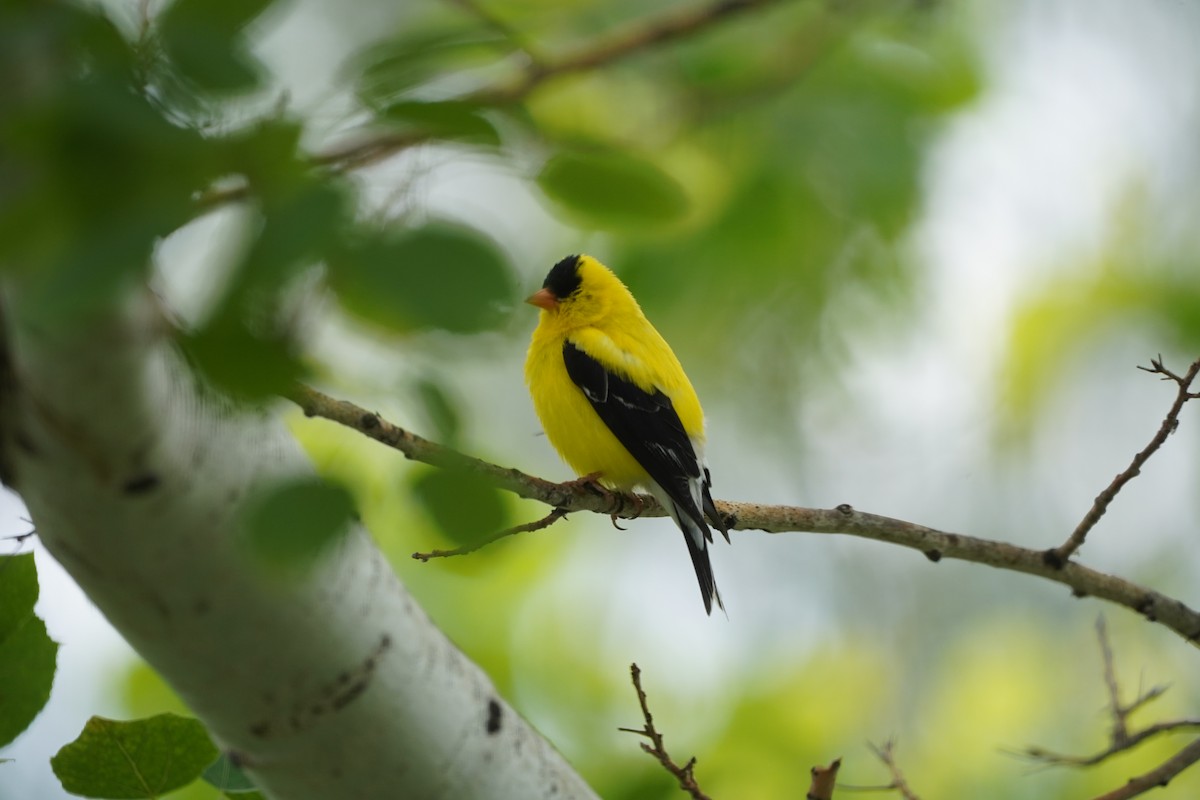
{"points": [[334, 686]]}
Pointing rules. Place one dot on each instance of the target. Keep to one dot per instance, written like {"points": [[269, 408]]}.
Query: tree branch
{"points": [[545, 522], [1159, 776], [934, 544], [1120, 738], [332, 683], [371, 147], [1060, 555], [887, 754], [684, 774]]}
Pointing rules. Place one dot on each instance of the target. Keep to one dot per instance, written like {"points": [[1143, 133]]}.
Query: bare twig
{"points": [[1159, 776], [824, 779], [887, 754], [1120, 737], [1059, 556], [934, 544], [684, 774], [545, 522]]}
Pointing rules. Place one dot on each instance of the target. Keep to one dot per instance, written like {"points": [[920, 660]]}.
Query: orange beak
{"points": [[543, 298]]}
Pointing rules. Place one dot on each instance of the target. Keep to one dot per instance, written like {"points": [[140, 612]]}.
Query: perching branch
{"points": [[684, 774], [1060, 555], [934, 544], [1120, 737]]}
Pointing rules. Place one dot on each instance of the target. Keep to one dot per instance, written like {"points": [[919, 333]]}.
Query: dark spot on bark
{"points": [[369, 421], [343, 678], [1052, 559], [1076, 592], [202, 606], [316, 709], [845, 509], [344, 699], [140, 484], [25, 443], [1146, 608], [294, 722], [494, 713], [260, 730], [385, 643], [934, 555]]}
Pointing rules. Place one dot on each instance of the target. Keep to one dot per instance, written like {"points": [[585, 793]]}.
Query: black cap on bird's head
{"points": [[562, 281]]}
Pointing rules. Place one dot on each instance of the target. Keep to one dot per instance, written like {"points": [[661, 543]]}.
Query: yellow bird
{"points": [[616, 404]]}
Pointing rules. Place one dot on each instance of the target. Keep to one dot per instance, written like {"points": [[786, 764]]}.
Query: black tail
{"points": [[697, 544]]}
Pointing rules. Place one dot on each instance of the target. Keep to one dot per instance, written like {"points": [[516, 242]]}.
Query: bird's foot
{"points": [[589, 483]]}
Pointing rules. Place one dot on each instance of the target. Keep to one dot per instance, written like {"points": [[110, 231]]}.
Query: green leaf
{"points": [[445, 119], [462, 504], [204, 39], [441, 410], [246, 364], [392, 68], [229, 777], [18, 591], [143, 758], [612, 189], [437, 276], [28, 655], [289, 525]]}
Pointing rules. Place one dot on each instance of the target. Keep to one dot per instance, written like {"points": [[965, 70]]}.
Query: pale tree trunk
{"points": [[333, 686]]}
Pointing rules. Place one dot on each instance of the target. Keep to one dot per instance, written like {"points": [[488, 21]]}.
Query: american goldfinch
{"points": [[616, 404]]}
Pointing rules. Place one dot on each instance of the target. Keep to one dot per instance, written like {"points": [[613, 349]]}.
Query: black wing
{"points": [[645, 423], [650, 429]]}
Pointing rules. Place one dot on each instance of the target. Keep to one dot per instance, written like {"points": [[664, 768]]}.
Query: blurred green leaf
{"points": [[612, 189], [204, 39], [290, 525], [464, 506], [446, 119], [28, 655], [18, 591], [143, 758], [247, 364], [229, 777], [389, 70], [441, 410], [436, 276]]}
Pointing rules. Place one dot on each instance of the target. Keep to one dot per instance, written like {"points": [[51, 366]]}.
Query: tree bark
{"points": [[334, 684]]}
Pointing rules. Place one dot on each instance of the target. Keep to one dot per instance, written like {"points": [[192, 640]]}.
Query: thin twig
{"points": [[537, 525], [684, 774], [1159, 776], [1060, 555], [887, 754], [1120, 737], [935, 545]]}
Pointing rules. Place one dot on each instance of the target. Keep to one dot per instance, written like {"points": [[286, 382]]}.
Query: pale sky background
{"points": [[1084, 102]]}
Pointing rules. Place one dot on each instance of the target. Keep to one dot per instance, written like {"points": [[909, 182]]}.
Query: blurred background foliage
{"points": [[909, 252]]}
